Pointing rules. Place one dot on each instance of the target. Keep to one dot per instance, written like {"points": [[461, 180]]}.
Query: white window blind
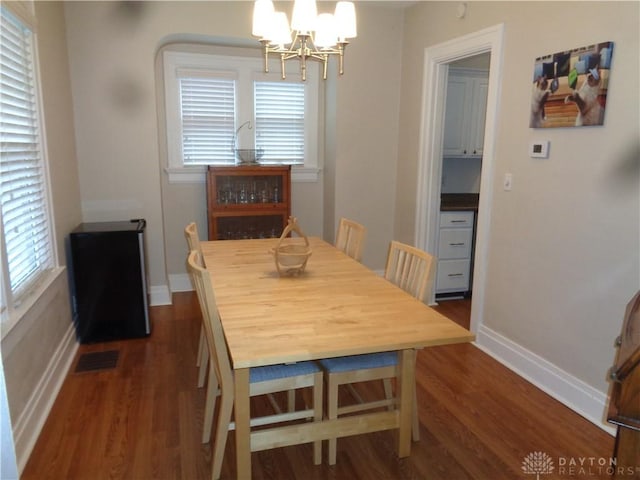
{"points": [[280, 121], [208, 119], [23, 193]]}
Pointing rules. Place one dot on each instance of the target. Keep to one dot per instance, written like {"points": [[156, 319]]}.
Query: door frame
{"points": [[436, 69]]}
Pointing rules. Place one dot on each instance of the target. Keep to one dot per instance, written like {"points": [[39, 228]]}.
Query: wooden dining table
{"points": [[336, 307]]}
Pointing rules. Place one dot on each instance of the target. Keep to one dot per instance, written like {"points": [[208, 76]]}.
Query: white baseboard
{"points": [[27, 428], [159, 295], [564, 387], [180, 282]]}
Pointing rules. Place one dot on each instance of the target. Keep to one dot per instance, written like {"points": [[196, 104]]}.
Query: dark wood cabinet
{"points": [[624, 405], [248, 201]]}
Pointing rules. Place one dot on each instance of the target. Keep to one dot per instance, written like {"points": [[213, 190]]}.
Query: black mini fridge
{"points": [[108, 281]]}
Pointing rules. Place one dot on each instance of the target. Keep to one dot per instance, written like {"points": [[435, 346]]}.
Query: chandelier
{"points": [[310, 36]]}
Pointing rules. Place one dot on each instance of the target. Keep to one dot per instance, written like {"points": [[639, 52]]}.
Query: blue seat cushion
{"points": [[359, 362], [273, 372]]}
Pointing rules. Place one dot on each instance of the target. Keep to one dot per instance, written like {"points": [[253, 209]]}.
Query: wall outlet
{"points": [[508, 182]]}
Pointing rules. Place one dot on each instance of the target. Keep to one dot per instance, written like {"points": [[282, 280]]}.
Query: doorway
{"points": [[437, 61], [462, 147]]}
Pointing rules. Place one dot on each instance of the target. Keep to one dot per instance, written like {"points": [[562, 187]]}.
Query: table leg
{"points": [[242, 417], [406, 384]]}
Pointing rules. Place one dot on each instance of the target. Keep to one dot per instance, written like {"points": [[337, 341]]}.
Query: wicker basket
{"points": [[291, 258]]}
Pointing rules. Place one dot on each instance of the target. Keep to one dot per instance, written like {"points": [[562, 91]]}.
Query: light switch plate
{"points": [[539, 149]]}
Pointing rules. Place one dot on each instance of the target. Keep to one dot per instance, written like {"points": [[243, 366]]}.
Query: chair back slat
{"points": [[193, 239], [411, 269], [211, 319], [350, 238]]}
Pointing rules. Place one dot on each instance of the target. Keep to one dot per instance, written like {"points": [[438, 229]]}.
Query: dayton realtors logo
{"points": [[537, 463]]}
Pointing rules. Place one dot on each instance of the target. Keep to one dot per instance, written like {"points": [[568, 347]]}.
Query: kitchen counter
{"points": [[450, 202]]}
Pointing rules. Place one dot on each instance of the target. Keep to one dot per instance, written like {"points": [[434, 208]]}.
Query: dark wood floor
{"points": [[142, 420]]}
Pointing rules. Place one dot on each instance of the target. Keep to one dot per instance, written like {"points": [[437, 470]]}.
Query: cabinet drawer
{"points": [[453, 276], [456, 219], [455, 243]]}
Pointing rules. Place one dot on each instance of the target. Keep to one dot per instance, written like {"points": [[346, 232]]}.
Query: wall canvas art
{"points": [[570, 88]]}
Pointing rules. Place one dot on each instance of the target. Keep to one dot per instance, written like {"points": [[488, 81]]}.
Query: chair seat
{"points": [[274, 372], [359, 362]]}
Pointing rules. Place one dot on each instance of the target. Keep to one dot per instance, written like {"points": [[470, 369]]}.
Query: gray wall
{"points": [[564, 244]]}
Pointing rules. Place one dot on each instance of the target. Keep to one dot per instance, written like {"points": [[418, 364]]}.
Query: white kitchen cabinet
{"points": [[455, 244], [466, 107]]}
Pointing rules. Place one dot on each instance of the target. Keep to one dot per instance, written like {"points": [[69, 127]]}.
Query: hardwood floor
{"points": [[142, 420], [457, 310]]}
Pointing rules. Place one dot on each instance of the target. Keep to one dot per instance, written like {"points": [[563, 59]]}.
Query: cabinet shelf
{"points": [[248, 201]]}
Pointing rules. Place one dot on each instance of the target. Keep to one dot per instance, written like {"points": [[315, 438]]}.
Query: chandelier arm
{"points": [[279, 49], [282, 59], [341, 47], [321, 56], [265, 48], [304, 53], [303, 68], [325, 62]]}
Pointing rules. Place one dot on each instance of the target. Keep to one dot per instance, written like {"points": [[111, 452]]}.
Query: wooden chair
{"points": [[350, 238], [412, 270], [202, 359], [213, 390], [262, 380]]}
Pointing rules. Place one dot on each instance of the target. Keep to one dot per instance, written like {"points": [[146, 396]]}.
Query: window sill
{"points": [[29, 300], [198, 174]]}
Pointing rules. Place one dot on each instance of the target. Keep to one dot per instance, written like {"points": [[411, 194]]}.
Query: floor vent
{"points": [[95, 361]]}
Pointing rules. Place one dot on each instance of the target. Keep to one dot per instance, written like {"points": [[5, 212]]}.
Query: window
{"points": [[27, 246], [279, 112], [215, 103]]}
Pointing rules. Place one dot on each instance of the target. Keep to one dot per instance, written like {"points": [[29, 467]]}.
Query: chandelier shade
{"points": [[262, 11], [303, 18], [326, 36], [309, 36], [346, 20]]}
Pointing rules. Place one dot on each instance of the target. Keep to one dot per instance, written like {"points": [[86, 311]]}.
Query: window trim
{"points": [[13, 305], [250, 69]]}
